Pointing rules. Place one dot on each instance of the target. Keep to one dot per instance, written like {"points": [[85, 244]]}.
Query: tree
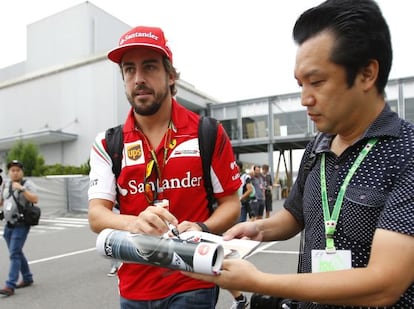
{"points": [[28, 154]]}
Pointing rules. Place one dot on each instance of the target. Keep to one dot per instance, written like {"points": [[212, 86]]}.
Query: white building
{"points": [[66, 91]]}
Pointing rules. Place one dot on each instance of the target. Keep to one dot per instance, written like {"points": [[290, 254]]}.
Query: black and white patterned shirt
{"points": [[379, 195]]}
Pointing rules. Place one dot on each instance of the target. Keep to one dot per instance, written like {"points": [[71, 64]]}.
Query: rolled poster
{"points": [[173, 253]]}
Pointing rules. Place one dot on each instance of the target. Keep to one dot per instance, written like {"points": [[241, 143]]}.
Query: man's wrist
{"points": [[203, 227]]}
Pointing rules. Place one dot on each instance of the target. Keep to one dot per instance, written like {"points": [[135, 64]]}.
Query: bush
{"points": [[59, 169], [34, 163]]}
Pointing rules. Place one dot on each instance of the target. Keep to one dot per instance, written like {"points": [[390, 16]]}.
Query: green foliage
{"points": [[28, 154], [59, 169], [34, 163]]}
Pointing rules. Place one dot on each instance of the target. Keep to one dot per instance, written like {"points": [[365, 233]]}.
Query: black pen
{"points": [[174, 230], [166, 204]]}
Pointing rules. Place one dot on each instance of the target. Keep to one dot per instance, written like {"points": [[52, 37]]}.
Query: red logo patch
{"points": [[203, 249]]}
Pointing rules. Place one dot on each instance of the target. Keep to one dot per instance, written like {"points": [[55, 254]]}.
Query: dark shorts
{"points": [[257, 207], [268, 200]]}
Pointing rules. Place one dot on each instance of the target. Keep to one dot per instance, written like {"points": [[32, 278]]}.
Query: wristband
{"points": [[204, 227], [23, 189]]}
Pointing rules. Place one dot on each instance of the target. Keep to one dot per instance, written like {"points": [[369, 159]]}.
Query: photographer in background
{"points": [[16, 231], [353, 197]]}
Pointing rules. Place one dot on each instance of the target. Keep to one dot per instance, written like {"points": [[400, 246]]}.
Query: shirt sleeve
{"points": [[30, 186], [398, 215], [101, 177], [294, 200], [225, 175]]}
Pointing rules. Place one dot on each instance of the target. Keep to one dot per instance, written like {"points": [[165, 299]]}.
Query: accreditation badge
{"points": [[330, 261], [8, 205]]}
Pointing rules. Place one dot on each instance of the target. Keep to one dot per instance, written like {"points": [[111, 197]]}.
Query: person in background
{"points": [[353, 196], [268, 184], [115, 264], [160, 161], [259, 187], [15, 230], [246, 193]]}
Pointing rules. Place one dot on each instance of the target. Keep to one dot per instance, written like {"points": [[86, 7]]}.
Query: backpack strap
{"points": [[207, 134], [114, 144], [16, 200], [10, 183]]}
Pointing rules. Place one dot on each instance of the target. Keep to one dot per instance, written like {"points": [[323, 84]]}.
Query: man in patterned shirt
{"points": [[354, 196]]}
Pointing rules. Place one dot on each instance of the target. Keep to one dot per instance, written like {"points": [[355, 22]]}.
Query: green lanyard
{"points": [[331, 220]]}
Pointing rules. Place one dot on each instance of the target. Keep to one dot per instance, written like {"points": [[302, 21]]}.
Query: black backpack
{"points": [[207, 133]]}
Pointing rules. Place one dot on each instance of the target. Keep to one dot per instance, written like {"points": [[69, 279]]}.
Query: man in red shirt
{"points": [[160, 160]]}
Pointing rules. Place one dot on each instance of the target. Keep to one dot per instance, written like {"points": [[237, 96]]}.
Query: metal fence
{"points": [[59, 195]]}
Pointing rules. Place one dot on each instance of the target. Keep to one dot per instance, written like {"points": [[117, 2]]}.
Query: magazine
{"points": [[234, 248], [192, 251]]}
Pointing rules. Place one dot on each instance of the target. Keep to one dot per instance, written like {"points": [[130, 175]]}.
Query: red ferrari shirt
{"points": [[181, 182]]}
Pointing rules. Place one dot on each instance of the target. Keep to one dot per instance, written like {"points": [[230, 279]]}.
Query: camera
{"points": [[260, 301], [1, 215]]}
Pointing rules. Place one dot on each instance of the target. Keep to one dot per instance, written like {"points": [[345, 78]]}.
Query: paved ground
{"points": [[68, 272]]}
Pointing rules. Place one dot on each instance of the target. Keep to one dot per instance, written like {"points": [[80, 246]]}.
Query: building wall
{"points": [[77, 100], [75, 33], [68, 85]]}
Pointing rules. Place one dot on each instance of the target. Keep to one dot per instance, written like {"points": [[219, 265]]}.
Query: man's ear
{"points": [[369, 75]]}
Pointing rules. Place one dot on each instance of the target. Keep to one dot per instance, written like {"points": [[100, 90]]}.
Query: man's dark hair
{"points": [[170, 69], [239, 164], [361, 34]]}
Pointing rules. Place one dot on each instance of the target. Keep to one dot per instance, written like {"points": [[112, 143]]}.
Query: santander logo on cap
{"points": [[132, 36], [141, 36]]}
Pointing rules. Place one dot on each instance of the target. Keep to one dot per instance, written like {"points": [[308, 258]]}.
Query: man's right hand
{"points": [[152, 221]]}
